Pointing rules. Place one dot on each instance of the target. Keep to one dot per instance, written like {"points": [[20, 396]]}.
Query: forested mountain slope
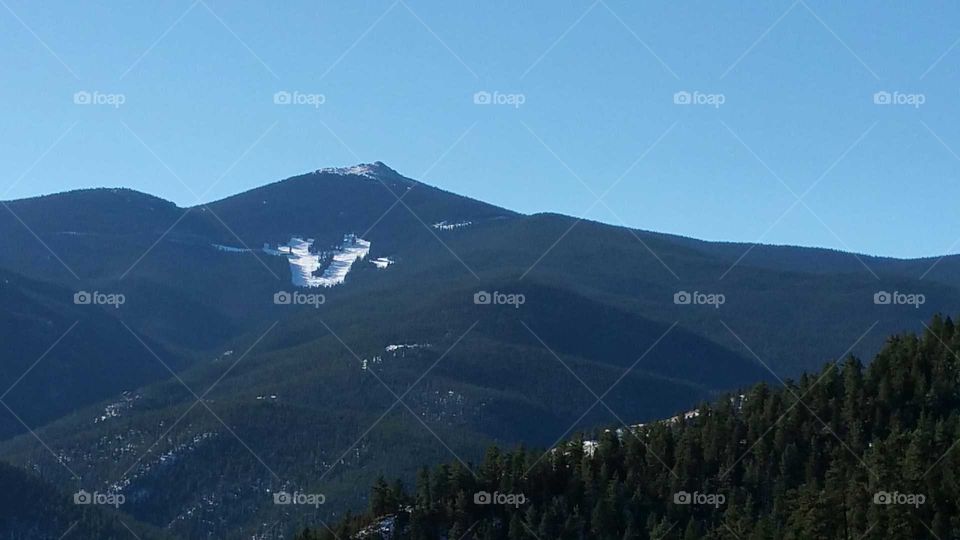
{"points": [[849, 452]]}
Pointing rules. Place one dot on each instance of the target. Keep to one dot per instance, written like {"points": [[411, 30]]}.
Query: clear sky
{"points": [[178, 99]]}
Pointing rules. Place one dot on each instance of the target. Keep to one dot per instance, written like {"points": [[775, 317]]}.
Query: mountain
{"points": [[33, 509], [453, 325], [849, 452], [59, 356]]}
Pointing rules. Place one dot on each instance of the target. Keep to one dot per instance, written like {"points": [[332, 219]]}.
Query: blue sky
{"points": [[783, 93]]}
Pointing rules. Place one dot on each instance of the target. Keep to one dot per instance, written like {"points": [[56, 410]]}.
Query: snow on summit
{"points": [[367, 170], [304, 264]]}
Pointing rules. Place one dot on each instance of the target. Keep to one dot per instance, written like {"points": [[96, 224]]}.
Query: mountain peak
{"points": [[375, 171]]}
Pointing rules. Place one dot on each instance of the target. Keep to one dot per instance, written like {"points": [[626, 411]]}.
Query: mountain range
{"points": [[169, 354]]}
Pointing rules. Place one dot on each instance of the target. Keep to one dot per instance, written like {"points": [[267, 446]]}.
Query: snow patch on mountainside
{"points": [[304, 264], [450, 226], [230, 249], [382, 262]]}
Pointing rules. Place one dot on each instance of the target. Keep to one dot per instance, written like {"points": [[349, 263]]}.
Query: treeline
{"points": [[848, 453]]}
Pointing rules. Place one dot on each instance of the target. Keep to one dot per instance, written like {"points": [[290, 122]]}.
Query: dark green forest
{"points": [[850, 452]]}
